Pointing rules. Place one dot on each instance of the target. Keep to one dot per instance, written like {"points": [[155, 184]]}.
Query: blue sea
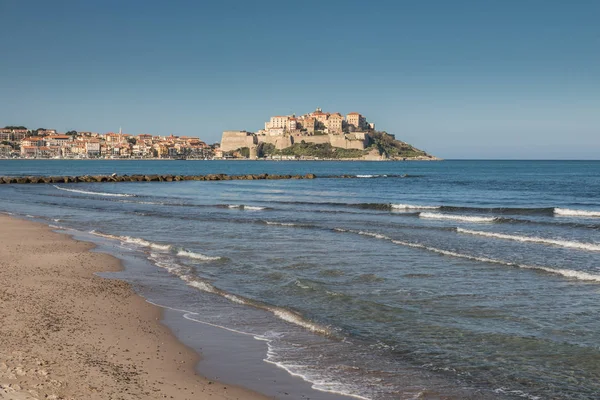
{"points": [[416, 280]]}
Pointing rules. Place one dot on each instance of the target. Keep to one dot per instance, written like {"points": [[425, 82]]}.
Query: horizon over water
{"points": [[462, 279]]}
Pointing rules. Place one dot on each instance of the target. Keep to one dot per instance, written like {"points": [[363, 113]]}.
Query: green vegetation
{"points": [[318, 151], [387, 144], [71, 133], [14, 127], [265, 149]]}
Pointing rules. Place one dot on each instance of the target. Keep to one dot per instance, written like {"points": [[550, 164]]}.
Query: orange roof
{"points": [[59, 137]]}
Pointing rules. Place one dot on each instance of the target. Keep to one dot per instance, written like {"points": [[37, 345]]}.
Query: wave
{"points": [[196, 256], [534, 239], [576, 213], [364, 233], [465, 218], [95, 193], [245, 207], [281, 313], [580, 275], [371, 176], [412, 207], [134, 240], [549, 211]]}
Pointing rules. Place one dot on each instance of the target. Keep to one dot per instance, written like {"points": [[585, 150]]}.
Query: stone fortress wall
{"points": [[233, 140]]}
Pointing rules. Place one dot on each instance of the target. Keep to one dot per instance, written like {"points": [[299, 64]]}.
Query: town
{"points": [[315, 135], [20, 142]]}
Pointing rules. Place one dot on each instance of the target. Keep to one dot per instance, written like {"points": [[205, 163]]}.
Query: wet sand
{"points": [[66, 333]]}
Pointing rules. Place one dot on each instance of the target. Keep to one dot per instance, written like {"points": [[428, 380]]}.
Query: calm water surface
{"points": [[464, 279]]}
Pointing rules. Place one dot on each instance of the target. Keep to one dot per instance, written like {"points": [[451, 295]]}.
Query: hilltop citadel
{"points": [[327, 133]]}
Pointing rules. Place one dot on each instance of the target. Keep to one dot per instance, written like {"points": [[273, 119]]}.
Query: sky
{"points": [[459, 79]]}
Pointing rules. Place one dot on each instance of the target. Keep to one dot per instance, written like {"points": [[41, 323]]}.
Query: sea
{"points": [[414, 280]]}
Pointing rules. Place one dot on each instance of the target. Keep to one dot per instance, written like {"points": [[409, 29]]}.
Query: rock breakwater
{"points": [[143, 178]]}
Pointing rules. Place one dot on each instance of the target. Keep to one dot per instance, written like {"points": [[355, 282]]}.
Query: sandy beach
{"points": [[66, 333]]}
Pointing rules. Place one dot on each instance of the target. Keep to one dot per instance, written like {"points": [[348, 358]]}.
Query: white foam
{"points": [[253, 208], [576, 213], [371, 176], [133, 240], [375, 235], [196, 256], [145, 243], [281, 223], [584, 276], [296, 319], [307, 374], [204, 286], [568, 273], [95, 193], [534, 239], [244, 207], [464, 218], [413, 207]]}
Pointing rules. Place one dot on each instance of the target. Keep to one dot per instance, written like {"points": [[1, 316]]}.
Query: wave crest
{"points": [[412, 207], [576, 213], [534, 239], [95, 193], [464, 218]]}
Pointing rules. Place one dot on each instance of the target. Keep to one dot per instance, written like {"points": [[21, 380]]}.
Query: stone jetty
{"points": [[144, 178]]}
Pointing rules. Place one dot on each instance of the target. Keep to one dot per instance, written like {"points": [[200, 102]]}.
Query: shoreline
{"points": [[67, 333]]}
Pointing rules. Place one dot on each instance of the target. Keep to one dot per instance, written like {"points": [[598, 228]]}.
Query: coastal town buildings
{"points": [[48, 143]]}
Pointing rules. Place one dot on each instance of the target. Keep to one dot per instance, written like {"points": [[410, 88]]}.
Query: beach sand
{"points": [[66, 333]]}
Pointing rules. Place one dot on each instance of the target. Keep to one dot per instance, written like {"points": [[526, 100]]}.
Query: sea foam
{"points": [[534, 239], [463, 218], [581, 275], [576, 213], [196, 256], [95, 193], [412, 207], [134, 240]]}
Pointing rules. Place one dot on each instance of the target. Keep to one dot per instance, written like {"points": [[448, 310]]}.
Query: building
{"points": [[356, 121], [34, 141], [334, 123], [92, 148]]}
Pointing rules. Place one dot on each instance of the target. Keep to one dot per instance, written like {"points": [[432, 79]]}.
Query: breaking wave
{"points": [[196, 256], [534, 239], [576, 213], [281, 313], [412, 207], [95, 193], [134, 240], [580, 275], [464, 218], [244, 207]]}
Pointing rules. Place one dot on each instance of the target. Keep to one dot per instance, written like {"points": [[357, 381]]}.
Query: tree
{"points": [[265, 149], [71, 133], [14, 127], [132, 140], [244, 151]]}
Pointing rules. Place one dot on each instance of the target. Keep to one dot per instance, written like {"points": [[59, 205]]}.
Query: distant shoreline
{"points": [[224, 159]]}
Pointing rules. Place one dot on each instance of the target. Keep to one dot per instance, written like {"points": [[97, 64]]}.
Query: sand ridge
{"points": [[66, 333]]}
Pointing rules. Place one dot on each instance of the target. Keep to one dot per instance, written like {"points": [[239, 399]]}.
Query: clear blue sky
{"points": [[460, 79]]}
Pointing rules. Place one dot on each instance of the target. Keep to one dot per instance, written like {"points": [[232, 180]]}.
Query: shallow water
{"points": [[464, 279]]}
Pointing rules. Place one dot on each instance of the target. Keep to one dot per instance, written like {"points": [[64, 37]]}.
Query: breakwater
{"points": [[144, 178]]}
